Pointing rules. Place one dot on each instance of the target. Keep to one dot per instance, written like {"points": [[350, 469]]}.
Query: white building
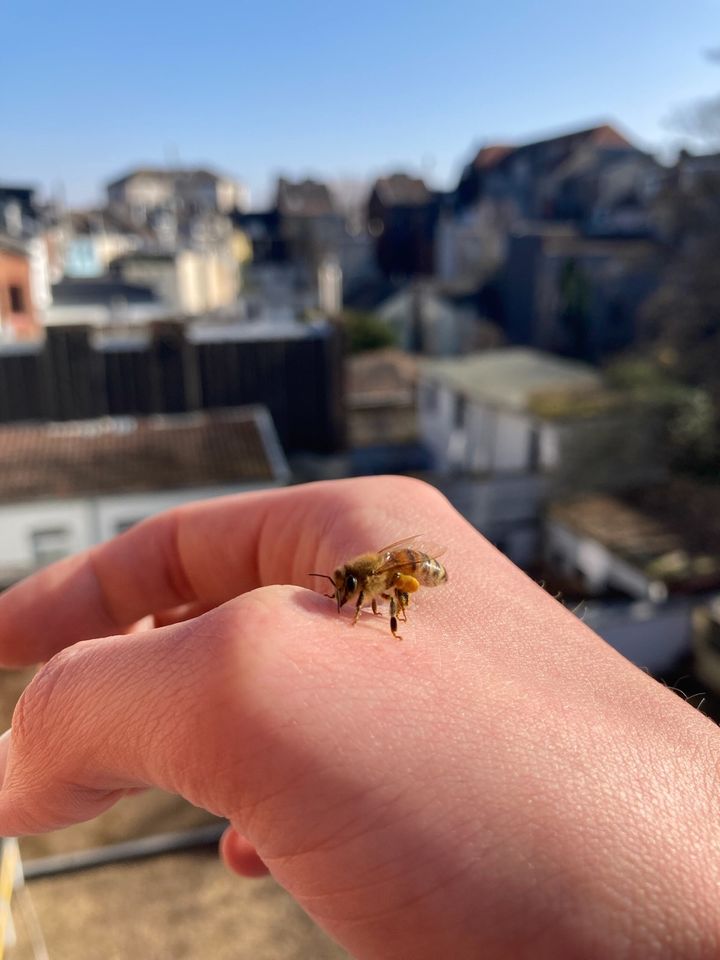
{"points": [[508, 427], [187, 282], [183, 190], [67, 486], [476, 412]]}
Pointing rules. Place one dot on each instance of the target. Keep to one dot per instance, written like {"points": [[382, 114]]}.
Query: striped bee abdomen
{"points": [[425, 569]]}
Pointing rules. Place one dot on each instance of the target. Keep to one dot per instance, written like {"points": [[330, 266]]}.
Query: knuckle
{"points": [[42, 700]]}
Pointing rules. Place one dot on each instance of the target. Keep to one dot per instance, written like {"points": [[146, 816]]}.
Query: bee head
{"points": [[347, 584], [343, 584]]}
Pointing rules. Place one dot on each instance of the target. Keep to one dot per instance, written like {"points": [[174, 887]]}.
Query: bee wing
{"points": [[404, 542], [417, 542]]}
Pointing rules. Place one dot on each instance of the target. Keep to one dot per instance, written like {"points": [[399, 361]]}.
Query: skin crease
{"points": [[498, 784]]}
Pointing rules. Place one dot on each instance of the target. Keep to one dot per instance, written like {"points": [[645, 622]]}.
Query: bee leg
{"points": [[393, 618], [358, 605], [400, 605], [403, 601], [374, 607]]}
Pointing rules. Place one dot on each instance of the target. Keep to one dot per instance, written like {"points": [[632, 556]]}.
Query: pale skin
{"points": [[498, 784]]}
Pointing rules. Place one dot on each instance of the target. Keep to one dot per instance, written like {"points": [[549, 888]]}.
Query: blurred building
{"points": [[309, 224], [648, 542], [562, 234], [184, 191], [188, 281], [691, 169], [383, 434], [573, 294], [65, 487], [102, 301], [509, 428], [94, 238], [18, 314], [18, 210], [401, 216], [470, 244], [595, 178], [428, 318], [22, 226], [646, 558]]}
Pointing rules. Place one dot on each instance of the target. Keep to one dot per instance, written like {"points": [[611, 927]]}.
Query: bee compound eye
{"points": [[351, 584]]}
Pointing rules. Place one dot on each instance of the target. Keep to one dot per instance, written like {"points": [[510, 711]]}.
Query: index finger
{"points": [[209, 552]]}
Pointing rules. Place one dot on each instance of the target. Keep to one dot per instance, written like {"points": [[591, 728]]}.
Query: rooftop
{"points": [[511, 377], [603, 136], [670, 531], [120, 455], [166, 173], [400, 190], [306, 198], [490, 155]]}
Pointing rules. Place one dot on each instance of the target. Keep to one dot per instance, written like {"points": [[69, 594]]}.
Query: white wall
{"points": [[435, 415], [512, 442], [550, 447], [480, 424], [19, 521], [112, 512], [487, 439], [87, 521], [39, 274]]}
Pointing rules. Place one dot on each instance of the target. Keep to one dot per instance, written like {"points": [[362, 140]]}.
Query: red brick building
{"points": [[17, 313]]}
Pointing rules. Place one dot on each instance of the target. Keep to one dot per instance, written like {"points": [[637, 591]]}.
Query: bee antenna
{"points": [[334, 594], [322, 575]]}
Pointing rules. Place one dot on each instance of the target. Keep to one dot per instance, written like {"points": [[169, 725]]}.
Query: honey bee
{"points": [[392, 573]]}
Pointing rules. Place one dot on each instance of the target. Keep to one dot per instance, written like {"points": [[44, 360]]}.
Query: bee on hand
{"points": [[392, 573]]}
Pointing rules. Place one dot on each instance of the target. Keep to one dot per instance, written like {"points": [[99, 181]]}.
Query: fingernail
{"points": [[4, 748]]}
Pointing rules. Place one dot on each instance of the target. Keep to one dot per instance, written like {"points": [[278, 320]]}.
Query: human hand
{"points": [[499, 784]]}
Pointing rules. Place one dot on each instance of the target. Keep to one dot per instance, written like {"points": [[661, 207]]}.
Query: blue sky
{"points": [[336, 89]]}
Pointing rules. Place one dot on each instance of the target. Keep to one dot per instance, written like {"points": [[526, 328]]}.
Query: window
{"points": [[17, 300], [50, 545]]}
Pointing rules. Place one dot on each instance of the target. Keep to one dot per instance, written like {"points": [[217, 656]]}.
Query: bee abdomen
{"points": [[425, 569]]}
